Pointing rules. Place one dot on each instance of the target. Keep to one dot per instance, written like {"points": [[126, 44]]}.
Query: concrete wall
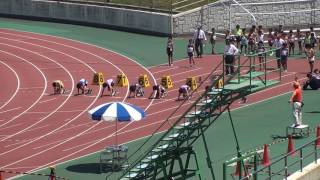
{"points": [[226, 14], [310, 172], [123, 19]]}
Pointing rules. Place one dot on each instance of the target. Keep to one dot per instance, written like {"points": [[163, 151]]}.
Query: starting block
{"points": [[166, 82], [98, 79], [191, 82], [143, 81], [122, 80], [302, 130]]}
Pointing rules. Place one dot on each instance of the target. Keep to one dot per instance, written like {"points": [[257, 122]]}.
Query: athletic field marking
{"points": [[47, 100], [50, 68], [10, 110], [99, 93], [44, 166], [170, 68], [69, 121], [44, 89], [27, 88], [181, 73], [7, 127], [40, 127], [58, 107], [16, 143], [17, 88], [49, 144], [42, 119]]}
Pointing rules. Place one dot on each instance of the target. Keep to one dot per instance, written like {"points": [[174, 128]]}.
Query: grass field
{"points": [[176, 5]]}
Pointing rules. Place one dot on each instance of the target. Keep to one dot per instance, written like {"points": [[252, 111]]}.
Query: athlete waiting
{"points": [[184, 91], [58, 87], [109, 84]]}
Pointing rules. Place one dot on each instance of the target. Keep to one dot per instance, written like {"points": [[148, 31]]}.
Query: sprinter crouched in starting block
{"points": [[158, 91], [58, 87], [184, 91], [109, 84], [137, 90], [83, 86]]}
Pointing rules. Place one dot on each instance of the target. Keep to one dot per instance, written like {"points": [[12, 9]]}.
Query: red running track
{"points": [[38, 129]]}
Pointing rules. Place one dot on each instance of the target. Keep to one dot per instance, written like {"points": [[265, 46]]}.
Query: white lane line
{"points": [[42, 119], [17, 88], [167, 69], [10, 110], [44, 101], [184, 72], [82, 112], [50, 68], [49, 144], [7, 127], [97, 141], [27, 88], [17, 143], [37, 128], [43, 91]]}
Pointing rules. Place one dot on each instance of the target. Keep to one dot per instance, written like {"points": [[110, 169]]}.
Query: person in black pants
{"points": [[199, 37], [229, 52]]}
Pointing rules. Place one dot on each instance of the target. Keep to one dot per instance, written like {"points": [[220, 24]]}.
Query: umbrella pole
{"points": [[117, 132]]}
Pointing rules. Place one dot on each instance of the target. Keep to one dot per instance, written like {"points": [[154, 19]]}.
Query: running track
{"points": [[38, 129]]}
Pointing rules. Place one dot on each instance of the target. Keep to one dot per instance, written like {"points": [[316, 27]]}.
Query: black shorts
{"points": [[79, 85], [307, 45], [155, 87], [169, 52], [182, 90], [133, 88], [190, 54], [238, 38]]}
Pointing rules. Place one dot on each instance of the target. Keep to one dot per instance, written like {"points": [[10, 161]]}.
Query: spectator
{"points": [[307, 40], [190, 50], [261, 54], [199, 38], [310, 54], [213, 38], [270, 39], [238, 33], [243, 43], [229, 54], [278, 43], [284, 57], [291, 39], [296, 101], [299, 39], [170, 50], [313, 80]]}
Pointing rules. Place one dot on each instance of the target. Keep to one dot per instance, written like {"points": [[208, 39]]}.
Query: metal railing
{"points": [[289, 163]]}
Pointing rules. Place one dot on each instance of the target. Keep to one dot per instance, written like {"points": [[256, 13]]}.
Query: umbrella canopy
{"points": [[116, 111]]}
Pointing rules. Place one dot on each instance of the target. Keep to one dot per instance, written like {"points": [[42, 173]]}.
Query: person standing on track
{"points": [[190, 50], [229, 52], [296, 101], [170, 50], [199, 37], [310, 53]]}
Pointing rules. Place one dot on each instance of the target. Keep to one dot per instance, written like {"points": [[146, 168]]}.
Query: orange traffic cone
{"points": [[290, 146], [318, 136], [237, 173], [265, 160]]}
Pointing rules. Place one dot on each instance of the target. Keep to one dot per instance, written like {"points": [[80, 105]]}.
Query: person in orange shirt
{"points": [[296, 101]]}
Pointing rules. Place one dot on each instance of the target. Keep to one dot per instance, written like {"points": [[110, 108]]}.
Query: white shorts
{"points": [[311, 60]]}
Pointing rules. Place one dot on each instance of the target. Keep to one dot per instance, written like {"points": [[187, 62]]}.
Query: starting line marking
{"points": [[47, 100], [10, 110]]}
